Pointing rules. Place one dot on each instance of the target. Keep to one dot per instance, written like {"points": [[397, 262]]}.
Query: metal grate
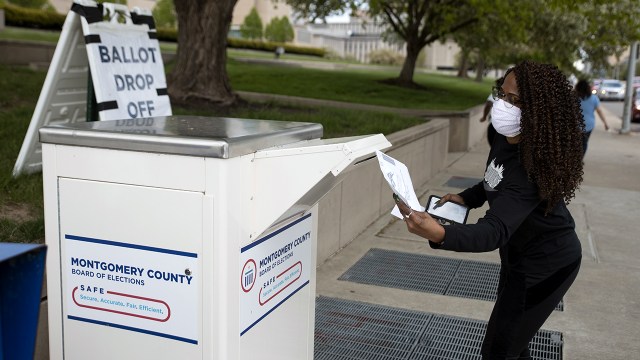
{"points": [[354, 330], [403, 271], [425, 273], [475, 280], [461, 182], [451, 338]]}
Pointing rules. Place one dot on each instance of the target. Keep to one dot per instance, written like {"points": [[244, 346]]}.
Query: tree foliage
{"points": [[164, 14], [501, 32], [554, 38], [420, 23], [555, 31], [417, 22], [251, 28], [312, 10], [494, 40], [279, 30], [611, 26]]}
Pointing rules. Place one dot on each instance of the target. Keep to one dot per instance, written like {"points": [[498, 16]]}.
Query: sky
{"points": [[338, 19]]}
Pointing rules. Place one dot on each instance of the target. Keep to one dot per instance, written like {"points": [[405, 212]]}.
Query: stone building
{"points": [[356, 40]]}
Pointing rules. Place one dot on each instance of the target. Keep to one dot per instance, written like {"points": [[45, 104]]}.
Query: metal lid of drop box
{"points": [[182, 135]]}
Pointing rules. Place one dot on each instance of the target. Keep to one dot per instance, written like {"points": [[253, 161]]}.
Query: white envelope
{"points": [[398, 178]]}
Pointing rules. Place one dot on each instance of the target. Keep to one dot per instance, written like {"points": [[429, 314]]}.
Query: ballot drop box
{"points": [[186, 237]]}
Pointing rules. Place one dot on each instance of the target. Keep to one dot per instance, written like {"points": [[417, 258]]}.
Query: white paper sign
{"points": [[398, 178], [272, 269], [132, 287], [127, 71]]}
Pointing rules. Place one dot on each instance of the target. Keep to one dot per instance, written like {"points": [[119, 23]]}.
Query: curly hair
{"points": [[552, 131]]}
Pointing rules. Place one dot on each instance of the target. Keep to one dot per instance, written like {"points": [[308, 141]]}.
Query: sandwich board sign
{"points": [[107, 51]]}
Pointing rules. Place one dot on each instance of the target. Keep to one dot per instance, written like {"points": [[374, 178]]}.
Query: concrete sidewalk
{"points": [[601, 317]]}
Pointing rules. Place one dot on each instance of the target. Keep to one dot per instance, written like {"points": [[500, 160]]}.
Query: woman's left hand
{"points": [[421, 223]]}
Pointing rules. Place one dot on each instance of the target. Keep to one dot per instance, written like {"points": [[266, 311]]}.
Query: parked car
{"points": [[611, 90], [594, 86], [635, 107]]}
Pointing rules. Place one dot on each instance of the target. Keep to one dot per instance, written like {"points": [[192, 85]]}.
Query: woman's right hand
{"points": [[451, 197]]}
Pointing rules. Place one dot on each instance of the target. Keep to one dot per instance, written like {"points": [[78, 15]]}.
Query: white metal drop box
{"points": [[187, 237]]}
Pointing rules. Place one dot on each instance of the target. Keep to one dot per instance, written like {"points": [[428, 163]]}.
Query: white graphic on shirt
{"points": [[493, 175]]}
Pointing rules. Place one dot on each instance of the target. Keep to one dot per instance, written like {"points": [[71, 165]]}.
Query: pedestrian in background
{"points": [[590, 104], [486, 115], [279, 51], [533, 170]]}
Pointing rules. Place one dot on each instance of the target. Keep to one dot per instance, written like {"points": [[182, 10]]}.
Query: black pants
{"points": [[585, 142], [520, 311]]}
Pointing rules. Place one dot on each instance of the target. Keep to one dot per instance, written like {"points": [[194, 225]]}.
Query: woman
{"points": [[533, 170], [589, 104]]}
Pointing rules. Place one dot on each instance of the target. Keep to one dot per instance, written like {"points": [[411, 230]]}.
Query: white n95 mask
{"points": [[505, 118]]}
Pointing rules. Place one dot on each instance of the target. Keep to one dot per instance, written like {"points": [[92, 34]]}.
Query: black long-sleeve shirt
{"points": [[515, 223]]}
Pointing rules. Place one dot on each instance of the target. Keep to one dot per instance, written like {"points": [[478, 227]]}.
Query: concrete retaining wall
{"points": [[466, 130], [14, 52]]}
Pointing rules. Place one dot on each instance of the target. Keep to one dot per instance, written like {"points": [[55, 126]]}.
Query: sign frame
{"points": [[63, 98]]}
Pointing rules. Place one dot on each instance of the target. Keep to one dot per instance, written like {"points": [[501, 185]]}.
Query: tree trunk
{"points": [[464, 63], [200, 74], [409, 66], [480, 69]]}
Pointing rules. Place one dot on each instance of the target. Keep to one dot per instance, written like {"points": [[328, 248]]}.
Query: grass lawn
{"points": [[17, 33], [441, 92], [21, 209]]}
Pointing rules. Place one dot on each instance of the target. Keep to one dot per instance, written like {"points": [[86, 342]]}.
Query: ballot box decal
{"points": [[274, 268], [132, 287]]}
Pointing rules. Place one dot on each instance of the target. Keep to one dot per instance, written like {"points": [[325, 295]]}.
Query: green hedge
{"points": [[168, 34], [271, 46], [32, 18]]}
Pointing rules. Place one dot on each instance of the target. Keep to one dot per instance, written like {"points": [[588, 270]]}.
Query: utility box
{"points": [[21, 279], [187, 237]]}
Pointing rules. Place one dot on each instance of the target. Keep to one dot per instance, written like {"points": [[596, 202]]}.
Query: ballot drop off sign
{"points": [[127, 71], [148, 290], [274, 268]]}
